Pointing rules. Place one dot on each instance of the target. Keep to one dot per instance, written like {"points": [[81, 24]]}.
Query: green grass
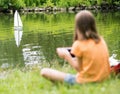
{"points": [[28, 81]]}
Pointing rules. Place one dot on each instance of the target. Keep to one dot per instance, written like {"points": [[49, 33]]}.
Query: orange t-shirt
{"points": [[94, 57]]}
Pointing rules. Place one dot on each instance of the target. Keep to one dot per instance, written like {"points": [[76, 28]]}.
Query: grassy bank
{"points": [[20, 81]]}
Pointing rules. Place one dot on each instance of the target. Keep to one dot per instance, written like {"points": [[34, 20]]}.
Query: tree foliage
{"points": [[6, 4]]}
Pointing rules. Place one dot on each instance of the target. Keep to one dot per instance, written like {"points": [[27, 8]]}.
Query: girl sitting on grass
{"points": [[91, 54]]}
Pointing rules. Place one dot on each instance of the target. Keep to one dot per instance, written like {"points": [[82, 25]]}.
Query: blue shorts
{"points": [[70, 79]]}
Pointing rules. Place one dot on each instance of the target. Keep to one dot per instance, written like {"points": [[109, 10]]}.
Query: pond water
{"points": [[43, 33]]}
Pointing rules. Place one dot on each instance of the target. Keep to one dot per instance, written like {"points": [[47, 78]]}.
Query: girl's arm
{"points": [[65, 54]]}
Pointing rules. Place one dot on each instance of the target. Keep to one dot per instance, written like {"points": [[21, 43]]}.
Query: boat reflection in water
{"points": [[18, 36]]}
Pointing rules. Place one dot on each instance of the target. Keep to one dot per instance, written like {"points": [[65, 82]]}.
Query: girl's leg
{"points": [[53, 75]]}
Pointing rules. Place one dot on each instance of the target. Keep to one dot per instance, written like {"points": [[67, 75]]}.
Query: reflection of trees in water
{"points": [[52, 39], [48, 22], [10, 53], [47, 43], [55, 18], [6, 26], [108, 26], [5, 22]]}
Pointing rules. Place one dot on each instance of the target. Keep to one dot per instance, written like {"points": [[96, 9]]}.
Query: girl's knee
{"points": [[44, 71]]}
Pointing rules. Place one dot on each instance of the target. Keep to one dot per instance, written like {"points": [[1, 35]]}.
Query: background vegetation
{"points": [[16, 4]]}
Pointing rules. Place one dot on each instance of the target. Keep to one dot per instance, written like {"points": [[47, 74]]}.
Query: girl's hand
{"points": [[63, 53]]}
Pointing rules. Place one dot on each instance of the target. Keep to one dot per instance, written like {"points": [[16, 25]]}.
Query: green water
{"points": [[43, 33]]}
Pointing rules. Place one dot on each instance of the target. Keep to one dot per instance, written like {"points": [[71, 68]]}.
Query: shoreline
{"points": [[59, 9]]}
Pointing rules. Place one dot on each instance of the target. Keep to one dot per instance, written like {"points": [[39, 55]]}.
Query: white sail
{"points": [[18, 37], [17, 20]]}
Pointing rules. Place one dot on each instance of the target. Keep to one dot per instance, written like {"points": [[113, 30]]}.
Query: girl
{"points": [[91, 54]]}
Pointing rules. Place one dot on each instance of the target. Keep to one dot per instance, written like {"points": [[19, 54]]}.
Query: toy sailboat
{"points": [[17, 28]]}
